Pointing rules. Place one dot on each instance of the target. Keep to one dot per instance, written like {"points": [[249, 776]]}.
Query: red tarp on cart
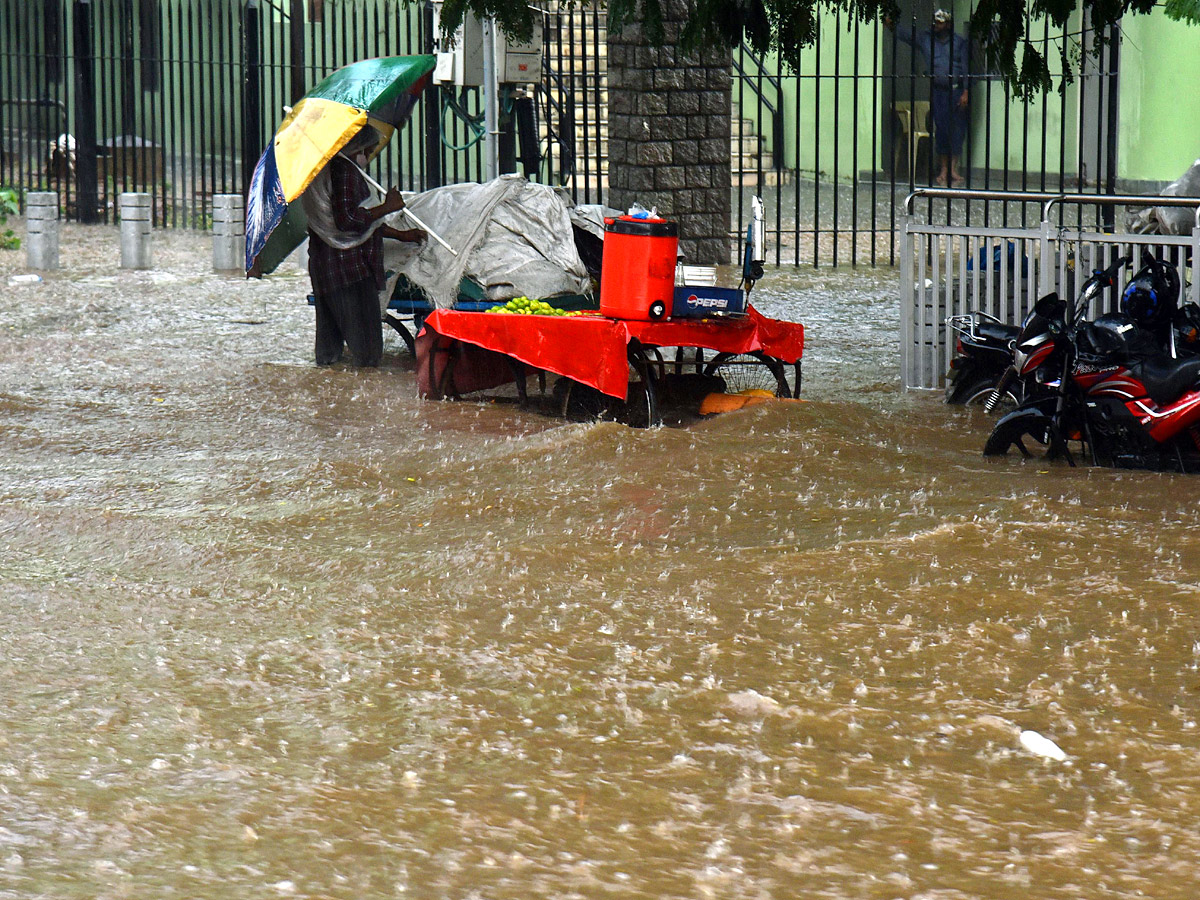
{"points": [[589, 349]]}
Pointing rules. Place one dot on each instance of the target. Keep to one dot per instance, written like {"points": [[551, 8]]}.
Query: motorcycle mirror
{"points": [[1049, 305]]}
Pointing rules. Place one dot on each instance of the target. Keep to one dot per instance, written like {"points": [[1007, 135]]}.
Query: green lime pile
{"points": [[523, 306]]}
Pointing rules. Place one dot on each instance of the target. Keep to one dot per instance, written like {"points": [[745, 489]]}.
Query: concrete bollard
{"points": [[135, 231], [41, 230], [229, 232]]}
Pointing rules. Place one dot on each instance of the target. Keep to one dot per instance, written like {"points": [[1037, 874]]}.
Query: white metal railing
{"points": [[948, 270]]}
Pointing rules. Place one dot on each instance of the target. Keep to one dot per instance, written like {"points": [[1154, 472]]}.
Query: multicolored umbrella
{"points": [[380, 92]]}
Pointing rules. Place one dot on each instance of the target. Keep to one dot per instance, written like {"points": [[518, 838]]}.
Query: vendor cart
{"points": [[606, 367]]}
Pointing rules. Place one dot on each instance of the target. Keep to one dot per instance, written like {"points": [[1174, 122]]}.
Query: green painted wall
{"points": [[829, 122], [1159, 136]]}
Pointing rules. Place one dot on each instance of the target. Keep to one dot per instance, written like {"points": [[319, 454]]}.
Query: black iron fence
{"points": [[178, 97], [835, 147]]}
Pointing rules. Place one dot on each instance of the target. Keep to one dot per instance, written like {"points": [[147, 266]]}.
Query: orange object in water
{"points": [[637, 271], [722, 403]]}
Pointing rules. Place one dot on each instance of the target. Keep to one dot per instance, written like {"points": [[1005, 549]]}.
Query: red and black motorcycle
{"points": [[1109, 385], [1036, 352]]}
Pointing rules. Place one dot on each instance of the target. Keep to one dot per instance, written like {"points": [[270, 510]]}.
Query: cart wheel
{"points": [[641, 403], [397, 325], [749, 371], [580, 402]]}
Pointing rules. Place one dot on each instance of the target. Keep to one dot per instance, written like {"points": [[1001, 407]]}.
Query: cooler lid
{"points": [[643, 227]]}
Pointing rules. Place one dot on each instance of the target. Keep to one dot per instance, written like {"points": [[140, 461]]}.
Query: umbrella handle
{"points": [[429, 231]]}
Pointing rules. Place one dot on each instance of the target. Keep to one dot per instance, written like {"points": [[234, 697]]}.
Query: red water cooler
{"points": [[637, 271]]}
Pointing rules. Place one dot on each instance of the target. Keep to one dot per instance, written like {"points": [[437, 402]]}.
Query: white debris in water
{"points": [[717, 849], [284, 887], [1042, 746], [160, 763], [751, 704]]}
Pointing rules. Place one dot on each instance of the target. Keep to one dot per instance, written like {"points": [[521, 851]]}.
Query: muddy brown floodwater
{"points": [[275, 631]]}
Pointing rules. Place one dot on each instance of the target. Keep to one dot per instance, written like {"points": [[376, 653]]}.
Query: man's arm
{"points": [[903, 32], [962, 60], [409, 236]]}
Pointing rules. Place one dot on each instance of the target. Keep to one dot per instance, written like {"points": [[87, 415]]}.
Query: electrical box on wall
{"points": [[520, 62], [462, 63]]}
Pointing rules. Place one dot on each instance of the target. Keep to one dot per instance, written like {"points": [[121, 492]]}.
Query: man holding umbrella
{"points": [[316, 156], [345, 255]]}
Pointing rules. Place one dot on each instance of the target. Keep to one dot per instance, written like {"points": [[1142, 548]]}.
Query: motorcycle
{"points": [[1108, 385], [985, 344], [982, 353], [1036, 354]]}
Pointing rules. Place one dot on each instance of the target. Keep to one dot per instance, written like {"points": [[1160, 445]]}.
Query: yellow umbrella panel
{"points": [[311, 135]]}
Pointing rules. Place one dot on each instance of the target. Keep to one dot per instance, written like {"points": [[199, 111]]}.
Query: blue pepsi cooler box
{"points": [[694, 301]]}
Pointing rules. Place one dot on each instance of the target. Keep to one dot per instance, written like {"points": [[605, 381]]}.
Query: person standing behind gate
{"points": [[345, 255], [947, 55]]}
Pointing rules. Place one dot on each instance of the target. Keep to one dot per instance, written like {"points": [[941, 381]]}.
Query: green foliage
{"points": [[1003, 28], [1183, 10], [514, 17], [9, 206]]}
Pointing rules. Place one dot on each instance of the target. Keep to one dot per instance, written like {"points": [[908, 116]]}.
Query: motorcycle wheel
{"points": [[978, 392], [1014, 428]]}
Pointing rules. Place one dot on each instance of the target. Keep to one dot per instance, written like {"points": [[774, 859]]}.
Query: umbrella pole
{"points": [[429, 231]]}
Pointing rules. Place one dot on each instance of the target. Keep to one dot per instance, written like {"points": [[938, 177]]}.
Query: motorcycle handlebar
{"points": [[1108, 276], [1101, 278]]}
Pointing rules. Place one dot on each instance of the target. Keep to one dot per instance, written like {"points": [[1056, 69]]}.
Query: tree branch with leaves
{"points": [[1002, 28]]}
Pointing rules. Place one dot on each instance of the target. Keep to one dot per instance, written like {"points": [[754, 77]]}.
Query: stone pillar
{"points": [[669, 135], [41, 229], [135, 231], [229, 232]]}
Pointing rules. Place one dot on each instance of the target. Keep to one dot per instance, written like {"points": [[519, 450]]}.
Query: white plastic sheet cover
{"points": [[590, 217], [1170, 219], [513, 237]]}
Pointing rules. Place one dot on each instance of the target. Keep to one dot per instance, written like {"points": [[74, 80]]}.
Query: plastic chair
{"points": [[913, 116]]}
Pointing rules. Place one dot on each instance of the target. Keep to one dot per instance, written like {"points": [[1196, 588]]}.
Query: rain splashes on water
{"points": [[272, 630]]}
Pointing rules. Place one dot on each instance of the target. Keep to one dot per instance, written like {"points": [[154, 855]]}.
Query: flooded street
{"points": [[278, 631]]}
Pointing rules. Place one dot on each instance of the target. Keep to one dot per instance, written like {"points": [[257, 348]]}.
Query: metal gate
{"points": [[177, 97], [836, 147]]}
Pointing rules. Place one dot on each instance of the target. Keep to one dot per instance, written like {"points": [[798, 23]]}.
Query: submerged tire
{"points": [[1014, 428]]}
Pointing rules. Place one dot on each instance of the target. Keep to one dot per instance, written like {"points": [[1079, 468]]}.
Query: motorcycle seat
{"points": [[1166, 379], [996, 331]]}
